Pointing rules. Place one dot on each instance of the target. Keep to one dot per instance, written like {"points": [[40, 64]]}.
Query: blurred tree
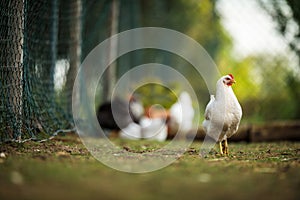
{"points": [[110, 75], [11, 65], [275, 99], [71, 50], [287, 15], [151, 94], [95, 24], [198, 19], [293, 85]]}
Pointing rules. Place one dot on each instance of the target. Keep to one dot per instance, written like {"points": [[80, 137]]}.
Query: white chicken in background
{"points": [[148, 128], [181, 114], [223, 113], [158, 123], [136, 109], [131, 132], [154, 129], [145, 127]]}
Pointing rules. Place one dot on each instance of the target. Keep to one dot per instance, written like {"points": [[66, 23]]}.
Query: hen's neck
{"points": [[223, 91]]}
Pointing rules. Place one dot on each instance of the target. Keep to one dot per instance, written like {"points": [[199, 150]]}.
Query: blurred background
{"points": [[43, 43]]}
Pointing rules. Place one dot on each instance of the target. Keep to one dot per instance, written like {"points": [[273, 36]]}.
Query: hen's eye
{"points": [[227, 79]]}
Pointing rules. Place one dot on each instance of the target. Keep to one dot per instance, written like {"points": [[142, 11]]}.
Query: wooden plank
{"points": [[276, 131], [268, 132]]}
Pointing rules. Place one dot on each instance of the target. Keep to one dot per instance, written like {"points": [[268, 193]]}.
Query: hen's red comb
{"points": [[231, 76]]}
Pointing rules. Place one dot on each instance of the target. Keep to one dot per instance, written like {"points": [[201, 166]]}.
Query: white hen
{"points": [[223, 113]]}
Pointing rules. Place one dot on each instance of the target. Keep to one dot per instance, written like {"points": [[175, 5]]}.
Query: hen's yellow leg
{"points": [[221, 148], [226, 147]]}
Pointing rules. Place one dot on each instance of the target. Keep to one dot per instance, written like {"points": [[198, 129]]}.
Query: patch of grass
{"points": [[63, 169]]}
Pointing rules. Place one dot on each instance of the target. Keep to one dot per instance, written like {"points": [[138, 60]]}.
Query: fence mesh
{"points": [[31, 107]]}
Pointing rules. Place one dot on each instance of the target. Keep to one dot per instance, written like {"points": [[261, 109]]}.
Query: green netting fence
{"points": [[41, 50], [35, 35]]}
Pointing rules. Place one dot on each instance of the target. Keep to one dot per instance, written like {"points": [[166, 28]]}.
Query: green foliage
{"points": [[246, 77], [293, 86], [198, 19], [286, 13], [275, 95], [151, 94], [266, 87]]}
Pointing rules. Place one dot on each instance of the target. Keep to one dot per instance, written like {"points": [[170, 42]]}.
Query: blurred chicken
{"points": [[116, 115], [181, 115], [136, 109], [223, 112], [155, 123]]}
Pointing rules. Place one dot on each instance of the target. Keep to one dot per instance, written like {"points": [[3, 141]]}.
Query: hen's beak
{"points": [[233, 81]]}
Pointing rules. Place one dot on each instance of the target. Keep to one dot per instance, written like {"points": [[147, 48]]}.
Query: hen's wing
{"points": [[235, 122], [207, 113]]}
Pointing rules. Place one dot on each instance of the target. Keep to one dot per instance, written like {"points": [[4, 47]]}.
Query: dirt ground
{"points": [[63, 168]]}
